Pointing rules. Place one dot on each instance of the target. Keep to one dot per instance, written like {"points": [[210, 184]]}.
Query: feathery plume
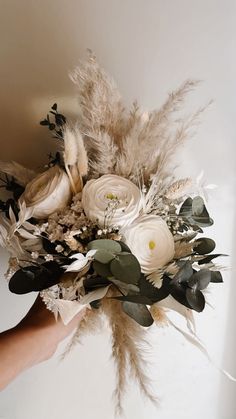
{"points": [[99, 99], [128, 351]]}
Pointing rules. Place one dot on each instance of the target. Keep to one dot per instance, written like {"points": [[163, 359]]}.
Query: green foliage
{"points": [[59, 121], [125, 267], [35, 278], [138, 312], [194, 213]]}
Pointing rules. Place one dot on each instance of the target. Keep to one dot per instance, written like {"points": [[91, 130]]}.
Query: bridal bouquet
{"points": [[106, 227]]}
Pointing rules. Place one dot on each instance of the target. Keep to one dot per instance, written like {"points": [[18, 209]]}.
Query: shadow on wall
{"points": [[227, 390], [35, 60]]}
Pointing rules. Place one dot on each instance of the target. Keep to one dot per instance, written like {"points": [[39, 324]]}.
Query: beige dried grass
{"points": [[129, 348], [99, 99]]}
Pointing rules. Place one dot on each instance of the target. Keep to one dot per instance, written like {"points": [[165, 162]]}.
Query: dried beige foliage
{"points": [[128, 350], [183, 249]]}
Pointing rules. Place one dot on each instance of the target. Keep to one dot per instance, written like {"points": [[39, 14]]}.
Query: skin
{"points": [[34, 340]]}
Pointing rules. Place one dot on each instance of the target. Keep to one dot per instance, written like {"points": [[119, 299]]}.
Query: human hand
{"points": [[33, 340]]}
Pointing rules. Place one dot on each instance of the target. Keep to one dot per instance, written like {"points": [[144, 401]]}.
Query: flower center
{"points": [[152, 245], [111, 196]]}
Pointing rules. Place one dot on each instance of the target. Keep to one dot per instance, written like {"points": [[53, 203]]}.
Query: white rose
{"points": [[111, 200], [47, 192], [150, 241]]}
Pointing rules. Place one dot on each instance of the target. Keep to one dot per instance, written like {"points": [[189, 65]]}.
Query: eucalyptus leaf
{"points": [[200, 280], [105, 244], [101, 269], [199, 213], [186, 208], [216, 277], [35, 278], [138, 299], [94, 283], [124, 287], [104, 256], [209, 258], [124, 247], [153, 293], [184, 274], [195, 299], [198, 206], [204, 245], [126, 268], [178, 292], [138, 312]]}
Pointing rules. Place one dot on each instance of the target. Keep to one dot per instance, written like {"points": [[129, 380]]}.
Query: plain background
{"points": [[150, 47]]}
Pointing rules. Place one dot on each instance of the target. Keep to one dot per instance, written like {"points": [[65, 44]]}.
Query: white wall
{"points": [[150, 47]]}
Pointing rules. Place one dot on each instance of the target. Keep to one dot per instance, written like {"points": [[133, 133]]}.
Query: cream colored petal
{"points": [[68, 309]]}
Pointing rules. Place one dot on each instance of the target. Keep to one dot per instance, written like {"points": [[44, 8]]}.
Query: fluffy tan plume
{"points": [[70, 147], [102, 153], [19, 172], [99, 99], [154, 137], [128, 351], [91, 323], [178, 189]]}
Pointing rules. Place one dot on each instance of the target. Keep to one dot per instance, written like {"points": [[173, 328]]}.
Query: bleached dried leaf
{"points": [[68, 309], [19, 172]]}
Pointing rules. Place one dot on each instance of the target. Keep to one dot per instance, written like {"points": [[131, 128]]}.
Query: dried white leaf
{"points": [[68, 309], [19, 172]]}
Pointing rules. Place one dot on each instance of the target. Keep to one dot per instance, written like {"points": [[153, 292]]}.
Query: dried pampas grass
{"points": [[141, 142], [102, 154], [129, 350], [91, 323], [178, 189], [99, 99]]}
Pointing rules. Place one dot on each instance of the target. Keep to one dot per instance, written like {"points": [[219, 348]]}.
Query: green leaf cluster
{"points": [[113, 259], [194, 213]]}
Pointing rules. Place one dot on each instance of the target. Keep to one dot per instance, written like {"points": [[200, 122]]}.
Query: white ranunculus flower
{"points": [[151, 241], [47, 192], [111, 200]]}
